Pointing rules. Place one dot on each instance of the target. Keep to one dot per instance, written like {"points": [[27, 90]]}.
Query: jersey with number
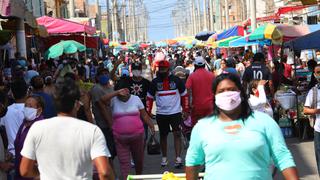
{"points": [[256, 71], [168, 94]]}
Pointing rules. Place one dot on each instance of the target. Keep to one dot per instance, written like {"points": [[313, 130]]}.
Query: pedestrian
{"points": [[15, 116], [63, 146], [258, 71], [311, 107], [243, 143], [223, 66], [171, 96], [33, 112], [102, 114], [5, 165], [201, 101], [139, 86], [258, 99], [37, 84], [128, 114]]}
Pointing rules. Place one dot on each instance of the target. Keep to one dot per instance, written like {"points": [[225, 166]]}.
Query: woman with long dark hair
{"points": [[235, 142]]}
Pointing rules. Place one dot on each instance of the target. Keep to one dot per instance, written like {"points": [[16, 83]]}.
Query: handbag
{"points": [[312, 118], [153, 146]]}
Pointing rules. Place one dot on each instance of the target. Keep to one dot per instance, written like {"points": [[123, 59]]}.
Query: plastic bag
{"points": [[170, 176], [153, 146]]}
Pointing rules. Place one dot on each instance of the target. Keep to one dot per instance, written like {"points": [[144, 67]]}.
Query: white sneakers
{"points": [[164, 161], [177, 164]]}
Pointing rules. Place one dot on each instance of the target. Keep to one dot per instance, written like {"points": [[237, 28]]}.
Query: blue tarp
{"points": [[234, 31], [241, 42], [310, 41]]}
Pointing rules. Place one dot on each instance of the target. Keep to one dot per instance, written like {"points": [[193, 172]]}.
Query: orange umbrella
{"points": [[171, 41]]}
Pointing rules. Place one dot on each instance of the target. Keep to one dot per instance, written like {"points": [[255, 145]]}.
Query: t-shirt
{"points": [[139, 88], [126, 116], [256, 71], [238, 150], [12, 121], [287, 70], [200, 84], [64, 147], [49, 108], [167, 94], [96, 94], [308, 103]]}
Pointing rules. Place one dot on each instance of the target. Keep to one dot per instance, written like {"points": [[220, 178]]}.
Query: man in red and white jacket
{"points": [[170, 95]]}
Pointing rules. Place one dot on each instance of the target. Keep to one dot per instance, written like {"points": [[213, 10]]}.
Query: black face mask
{"points": [[162, 75]]}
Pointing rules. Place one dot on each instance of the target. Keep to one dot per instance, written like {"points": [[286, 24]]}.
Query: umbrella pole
{"points": [[84, 41]]}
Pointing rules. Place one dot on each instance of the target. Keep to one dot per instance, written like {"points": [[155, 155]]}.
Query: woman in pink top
{"points": [[127, 111]]}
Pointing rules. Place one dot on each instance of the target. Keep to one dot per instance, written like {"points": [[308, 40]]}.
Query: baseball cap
{"points": [[199, 61]]}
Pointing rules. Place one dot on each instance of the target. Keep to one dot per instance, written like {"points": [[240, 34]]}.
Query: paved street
{"points": [[303, 153]]}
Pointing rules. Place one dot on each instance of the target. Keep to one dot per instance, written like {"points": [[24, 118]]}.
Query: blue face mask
{"points": [[104, 79]]}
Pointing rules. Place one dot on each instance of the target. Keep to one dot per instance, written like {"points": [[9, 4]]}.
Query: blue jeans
{"points": [[317, 149]]}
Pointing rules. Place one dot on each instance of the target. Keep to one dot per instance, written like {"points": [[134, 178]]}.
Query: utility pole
{"points": [[218, 16], [199, 15], [108, 20], [253, 19], [98, 13], [205, 19], [134, 20], [211, 6], [226, 9], [194, 19], [71, 8], [124, 20]]}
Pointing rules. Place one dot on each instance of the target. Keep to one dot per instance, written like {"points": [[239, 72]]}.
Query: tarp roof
{"points": [[62, 26], [234, 31], [310, 41], [241, 42]]}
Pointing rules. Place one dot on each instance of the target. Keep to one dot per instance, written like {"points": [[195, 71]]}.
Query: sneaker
{"points": [[164, 162], [132, 163], [178, 163]]}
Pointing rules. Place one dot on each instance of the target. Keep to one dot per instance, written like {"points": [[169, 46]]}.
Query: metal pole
{"points": [[205, 19], [98, 21], [211, 15], [108, 20], [218, 15], [71, 8], [253, 19], [21, 38], [198, 16], [226, 9]]}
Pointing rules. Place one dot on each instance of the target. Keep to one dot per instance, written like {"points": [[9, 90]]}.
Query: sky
{"points": [[160, 22]]}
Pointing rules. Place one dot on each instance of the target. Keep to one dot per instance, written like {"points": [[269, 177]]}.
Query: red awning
{"points": [[284, 10], [262, 19], [91, 42], [62, 26]]}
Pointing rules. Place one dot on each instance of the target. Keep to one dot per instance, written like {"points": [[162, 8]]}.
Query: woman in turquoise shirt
{"points": [[236, 143]]}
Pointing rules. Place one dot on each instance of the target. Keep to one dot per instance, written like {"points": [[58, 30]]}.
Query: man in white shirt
{"points": [[312, 107], [14, 116], [65, 147]]}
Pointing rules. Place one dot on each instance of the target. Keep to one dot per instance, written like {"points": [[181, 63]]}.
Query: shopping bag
{"points": [[153, 146]]}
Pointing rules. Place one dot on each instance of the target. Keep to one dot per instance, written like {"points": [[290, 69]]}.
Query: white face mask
{"points": [[136, 73], [30, 114], [318, 57], [228, 100]]}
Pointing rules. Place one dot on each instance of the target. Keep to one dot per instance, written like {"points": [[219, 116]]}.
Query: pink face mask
{"points": [[228, 100]]}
